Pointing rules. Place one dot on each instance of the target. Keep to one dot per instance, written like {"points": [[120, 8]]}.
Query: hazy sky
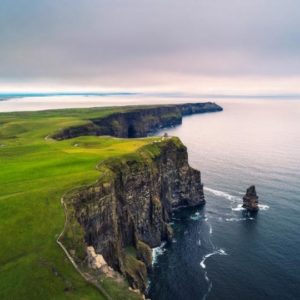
{"points": [[206, 46]]}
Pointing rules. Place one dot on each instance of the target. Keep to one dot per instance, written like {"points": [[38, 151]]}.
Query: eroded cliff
{"points": [[137, 122], [126, 212]]}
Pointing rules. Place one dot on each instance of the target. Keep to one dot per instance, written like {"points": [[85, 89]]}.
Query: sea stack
{"points": [[250, 200]]}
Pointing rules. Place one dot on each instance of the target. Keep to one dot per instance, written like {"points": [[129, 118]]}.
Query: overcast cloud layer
{"points": [[151, 43]]}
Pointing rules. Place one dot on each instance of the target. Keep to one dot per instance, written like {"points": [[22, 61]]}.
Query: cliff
{"points": [[198, 108], [126, 212], [137, 122]]}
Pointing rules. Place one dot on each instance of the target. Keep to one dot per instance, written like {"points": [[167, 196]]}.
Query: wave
{"points": [[222, 194], [196, 216], [205, 257], [263, 207], [209, 288], [157, 252], [241, 208], [210, 229], [206, 277], [238, 208], [238, 219]]}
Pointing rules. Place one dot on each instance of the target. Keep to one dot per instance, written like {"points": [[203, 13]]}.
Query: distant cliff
{"points": [[127, 211], [137, 122]]}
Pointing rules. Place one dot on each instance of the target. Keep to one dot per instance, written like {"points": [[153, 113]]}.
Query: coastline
{"points": [[37, 102], [54, 167], [142, 244]]}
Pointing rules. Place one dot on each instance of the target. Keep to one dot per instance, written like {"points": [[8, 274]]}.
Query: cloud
{"points": [[134, 43]]}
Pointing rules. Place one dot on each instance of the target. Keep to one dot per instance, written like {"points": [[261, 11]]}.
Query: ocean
{"points": [[219, 251]]}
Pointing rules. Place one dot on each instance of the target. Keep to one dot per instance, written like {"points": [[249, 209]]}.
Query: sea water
{"points": [[220, 251]]}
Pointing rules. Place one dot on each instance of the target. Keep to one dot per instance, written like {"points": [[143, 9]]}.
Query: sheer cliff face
{"points": [[130, 207], [137, 122], [133, 123]]}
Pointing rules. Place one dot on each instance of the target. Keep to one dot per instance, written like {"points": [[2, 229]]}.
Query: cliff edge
{"points": [[133, 122], [126, 212]]}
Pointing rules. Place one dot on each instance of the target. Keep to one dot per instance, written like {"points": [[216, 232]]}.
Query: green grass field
{"points": [[35, 172]]}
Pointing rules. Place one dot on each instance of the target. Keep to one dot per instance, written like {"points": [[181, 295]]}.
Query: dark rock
{"points": [[250, 200]]}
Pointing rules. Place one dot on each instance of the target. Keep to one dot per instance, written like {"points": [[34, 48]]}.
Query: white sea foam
{"points": [[195, 217], [241, 208], [263, 207], [208, 291], [238, 219], [205, 257], [209, 285], [238, 208], [222, 194], [158, 251], [206, 277], [210, 229]]}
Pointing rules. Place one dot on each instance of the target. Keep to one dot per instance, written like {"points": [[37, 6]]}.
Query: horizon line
{"points": [[10, 95]]}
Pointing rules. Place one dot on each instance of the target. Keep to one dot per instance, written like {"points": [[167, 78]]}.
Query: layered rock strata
{"points": [[137, 122], [127, 211]]}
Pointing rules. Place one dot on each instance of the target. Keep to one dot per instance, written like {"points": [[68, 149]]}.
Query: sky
{"points": [[190, 46]]}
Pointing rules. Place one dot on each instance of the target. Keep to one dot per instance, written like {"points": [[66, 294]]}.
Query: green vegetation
{"points": [[134, 267], [35, 173], [144, 253]]}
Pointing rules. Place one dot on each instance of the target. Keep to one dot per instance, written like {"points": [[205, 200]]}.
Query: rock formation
{"points": [[127, 211], [250, 200], [134, 123], [96, 261]]}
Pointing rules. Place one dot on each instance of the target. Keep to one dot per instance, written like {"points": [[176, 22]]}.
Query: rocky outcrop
{"points": [[127, 211], [250, 200], [97, 262], [137, 122]]}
